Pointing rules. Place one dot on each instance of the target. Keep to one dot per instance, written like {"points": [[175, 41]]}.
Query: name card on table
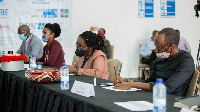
{"points": [[84, 89]]}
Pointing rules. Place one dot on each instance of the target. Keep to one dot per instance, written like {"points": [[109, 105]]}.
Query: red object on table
{"points": [[43, 75]]}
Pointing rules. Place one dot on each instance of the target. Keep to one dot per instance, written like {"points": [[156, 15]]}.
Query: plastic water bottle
{"points": [[159, 96], [64, 74], [33, 62], [39, 65]]}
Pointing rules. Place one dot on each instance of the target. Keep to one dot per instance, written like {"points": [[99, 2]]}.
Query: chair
{"points": [[110, 64], [193, 83], [143, 67], [75, 58], [112, 52]]}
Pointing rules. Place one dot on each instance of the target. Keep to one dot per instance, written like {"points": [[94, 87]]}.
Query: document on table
{"points": [[26, 66], [136, 105], [111, 88]]}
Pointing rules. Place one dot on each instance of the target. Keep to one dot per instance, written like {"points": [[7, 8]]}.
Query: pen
{"points": [[115, 73]]}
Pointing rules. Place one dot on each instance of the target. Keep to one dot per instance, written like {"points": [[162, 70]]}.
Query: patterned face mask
{"points": [[163, 55]]}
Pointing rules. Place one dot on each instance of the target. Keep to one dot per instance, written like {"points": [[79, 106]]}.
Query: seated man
{"points": [[147, 47], [183, 44], [174, 66], [31, 44]]}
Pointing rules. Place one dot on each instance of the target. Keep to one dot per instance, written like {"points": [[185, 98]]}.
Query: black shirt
{"points": [[176, 73]]}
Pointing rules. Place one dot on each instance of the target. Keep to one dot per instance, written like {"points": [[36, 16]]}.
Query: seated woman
{"points": [[92, 61], [52, 52]]}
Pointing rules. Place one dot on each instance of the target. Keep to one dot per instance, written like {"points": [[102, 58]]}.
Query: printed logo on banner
{"points": [[2, 27], [40, 2], [4, 14], [2, 2], [50, 13], [41, 13], [64, 12], [34, 26], [167, 8]]}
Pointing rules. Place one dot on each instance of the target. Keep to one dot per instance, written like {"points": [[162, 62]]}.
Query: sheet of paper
{"points": [[111, 88], [26, 66], [186, 110], [136, 105], [190, 101]]}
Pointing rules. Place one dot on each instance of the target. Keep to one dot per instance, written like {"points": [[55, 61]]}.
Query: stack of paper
{"points": [[111, 88], [136, 105]]}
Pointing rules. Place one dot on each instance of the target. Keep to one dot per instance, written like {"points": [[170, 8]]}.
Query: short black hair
{"points": [[55, 28], [93, 40], [171, 36]]}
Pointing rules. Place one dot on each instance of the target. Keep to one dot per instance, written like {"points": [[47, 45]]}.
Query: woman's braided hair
{"points": [[93, 40]]}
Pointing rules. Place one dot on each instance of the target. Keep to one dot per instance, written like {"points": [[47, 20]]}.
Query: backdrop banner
{"points": [[35, 14]]}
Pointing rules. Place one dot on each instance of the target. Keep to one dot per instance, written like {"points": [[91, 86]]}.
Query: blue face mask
{"points": [[22, 37], [44, 38], [80, 53]]}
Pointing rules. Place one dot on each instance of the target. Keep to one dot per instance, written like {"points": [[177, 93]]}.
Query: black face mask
{"points": [[80, 53]]}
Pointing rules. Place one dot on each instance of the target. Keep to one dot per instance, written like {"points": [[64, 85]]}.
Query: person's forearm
{"points": [[139, 85]]}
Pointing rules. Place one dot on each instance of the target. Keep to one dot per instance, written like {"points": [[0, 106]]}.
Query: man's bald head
{"points": [[23, 28]]}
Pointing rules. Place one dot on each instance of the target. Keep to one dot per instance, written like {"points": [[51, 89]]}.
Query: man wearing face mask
{"points": [[31, 44], [174, 66]]}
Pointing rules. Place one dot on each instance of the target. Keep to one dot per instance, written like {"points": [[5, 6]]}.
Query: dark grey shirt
{"points": [[176, 73], [107, 51]]}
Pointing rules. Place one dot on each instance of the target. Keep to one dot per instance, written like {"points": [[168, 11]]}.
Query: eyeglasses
{"points": [[158, 48], [79, 47]]}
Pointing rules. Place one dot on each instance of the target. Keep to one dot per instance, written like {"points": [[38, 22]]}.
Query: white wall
{"points": [[126, 31]]}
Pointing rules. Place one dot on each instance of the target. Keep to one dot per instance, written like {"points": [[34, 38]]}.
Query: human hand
{"points": [[71, 69], [40, 62], [26, 62], [119, 80], [123, 86]]}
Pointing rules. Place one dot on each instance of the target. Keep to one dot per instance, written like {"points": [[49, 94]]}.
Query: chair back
{"points": [[75, 58], [112, 52], [110, 64], [141, 65], [193, 83]]}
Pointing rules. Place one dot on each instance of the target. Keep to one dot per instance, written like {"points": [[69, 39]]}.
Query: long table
{"points": [[20, 94]]}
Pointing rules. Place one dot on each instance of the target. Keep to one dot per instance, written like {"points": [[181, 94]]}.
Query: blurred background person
{"points": [[53, 53], [183, 44], [147, 48], [31, 44]]}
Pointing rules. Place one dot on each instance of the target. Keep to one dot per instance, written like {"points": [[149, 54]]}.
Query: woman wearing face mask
{"points": [[52, 52], [92, 61]]}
